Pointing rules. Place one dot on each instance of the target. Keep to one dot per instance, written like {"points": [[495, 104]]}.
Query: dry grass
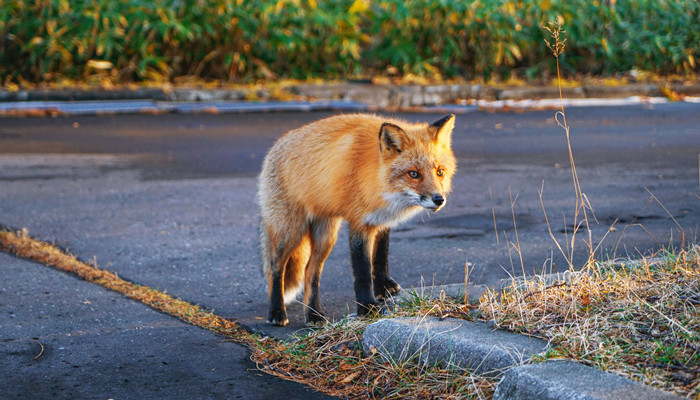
{"points": [[640, 320], [24, 246], [329, 360]]}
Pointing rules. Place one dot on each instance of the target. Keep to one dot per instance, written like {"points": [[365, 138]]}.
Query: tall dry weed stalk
{"points": [[557, 44]]}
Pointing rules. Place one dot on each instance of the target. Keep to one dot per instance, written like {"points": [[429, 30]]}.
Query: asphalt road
{"points": [[168, 201]]}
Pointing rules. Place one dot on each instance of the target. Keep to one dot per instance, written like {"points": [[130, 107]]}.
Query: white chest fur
{"points": [[399, 207]]}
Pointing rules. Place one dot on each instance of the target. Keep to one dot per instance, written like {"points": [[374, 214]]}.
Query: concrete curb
{"points": [[560, 379], [370, 95], [455, 343], [53, 108], [450, 343]]}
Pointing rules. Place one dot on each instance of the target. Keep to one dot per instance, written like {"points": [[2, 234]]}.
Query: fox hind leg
{"points": [[323, 234], [287, 261], [278, 313]]}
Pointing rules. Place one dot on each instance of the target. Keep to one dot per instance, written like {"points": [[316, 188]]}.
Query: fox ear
{"points": [[391, 138], [441, 130]]}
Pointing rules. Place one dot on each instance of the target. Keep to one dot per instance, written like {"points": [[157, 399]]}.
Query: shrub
{"points": [[238, 41]]}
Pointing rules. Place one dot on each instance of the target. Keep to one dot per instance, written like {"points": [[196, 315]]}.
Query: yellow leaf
{"points": [[65, 53], [509, 8], [61, 31], [453, 18], [515, 51], [12, 87], [162, 66], [691, 60], [163, 16], [499, 54], [99, 64], [359, 6], [51, 27]]}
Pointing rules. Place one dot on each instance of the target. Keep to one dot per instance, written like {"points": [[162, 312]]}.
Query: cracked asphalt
{"points": [[168, 201]]}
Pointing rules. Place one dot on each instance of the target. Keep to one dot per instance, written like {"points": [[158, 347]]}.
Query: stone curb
{"points": [[374, 96], [560, 379], [53, 108], [455, 343], [450, 343]]}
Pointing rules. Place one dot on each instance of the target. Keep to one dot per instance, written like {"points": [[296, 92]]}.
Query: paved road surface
{"points": [[169, 201]]}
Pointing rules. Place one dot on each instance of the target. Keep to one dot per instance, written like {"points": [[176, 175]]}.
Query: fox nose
{"points": [[438, 200]]}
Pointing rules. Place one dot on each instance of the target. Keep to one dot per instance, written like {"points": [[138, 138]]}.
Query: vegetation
{"points": [[638, 319], [244, 41]]}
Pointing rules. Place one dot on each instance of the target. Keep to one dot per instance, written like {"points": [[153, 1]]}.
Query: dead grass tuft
{"points": [[637, 319], [331, 360]]}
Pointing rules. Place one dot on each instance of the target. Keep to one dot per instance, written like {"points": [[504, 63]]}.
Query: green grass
{"points": [[639, 319], [98, 41]]}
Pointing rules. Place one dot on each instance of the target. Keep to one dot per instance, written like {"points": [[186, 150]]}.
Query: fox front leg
{"points": [[362, 271], [278, 313], [384, 286]]}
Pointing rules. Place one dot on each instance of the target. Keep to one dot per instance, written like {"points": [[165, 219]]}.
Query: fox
{"points": [[370, 171]]}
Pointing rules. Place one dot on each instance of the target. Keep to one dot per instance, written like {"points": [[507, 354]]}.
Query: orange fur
{"points": [[343, 168]]}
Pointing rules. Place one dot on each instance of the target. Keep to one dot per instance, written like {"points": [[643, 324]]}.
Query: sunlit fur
{"points": [[339, 169]]}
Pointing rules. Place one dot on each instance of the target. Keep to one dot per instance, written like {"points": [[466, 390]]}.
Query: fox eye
{"points": [[414, 174], [440, 172]]}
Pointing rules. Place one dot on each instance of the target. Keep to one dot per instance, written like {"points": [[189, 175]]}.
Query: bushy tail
{"points": [[294, 271]]}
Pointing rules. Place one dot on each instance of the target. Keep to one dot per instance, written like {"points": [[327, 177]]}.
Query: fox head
{"points": [[419, 163]]}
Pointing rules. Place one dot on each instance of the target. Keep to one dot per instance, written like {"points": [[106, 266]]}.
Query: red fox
{"points": [[367, 170]]}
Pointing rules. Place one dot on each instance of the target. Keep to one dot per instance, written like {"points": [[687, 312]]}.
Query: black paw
{"points": [[277, 318], [315, 318], [386, 288]]}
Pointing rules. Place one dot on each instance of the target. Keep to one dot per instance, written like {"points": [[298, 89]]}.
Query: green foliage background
{"points": [[242, 41]]}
